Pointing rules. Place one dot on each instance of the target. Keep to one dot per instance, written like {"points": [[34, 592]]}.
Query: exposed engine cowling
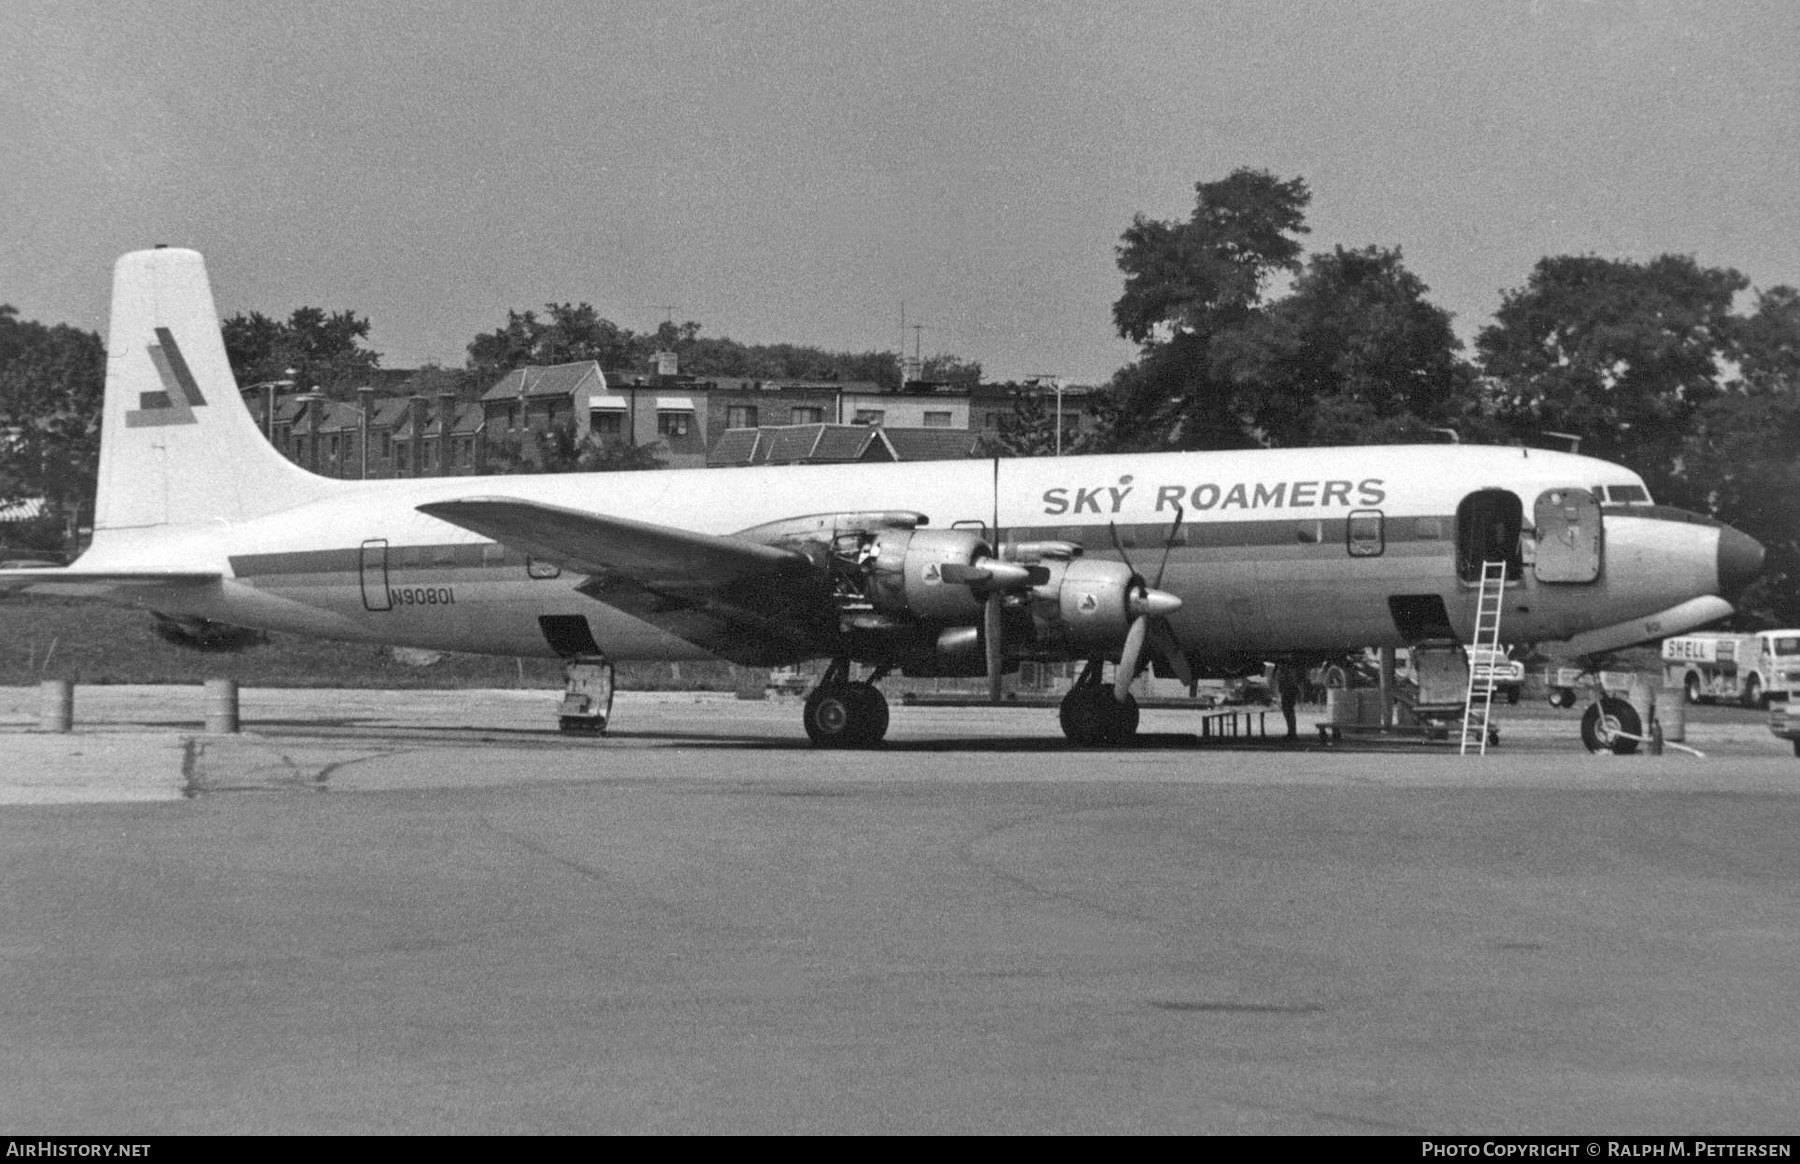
{"points": [[1085, 608], [906, 574]]}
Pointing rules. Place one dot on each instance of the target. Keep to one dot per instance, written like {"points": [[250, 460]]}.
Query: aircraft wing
{"points": [[741, 600], [119, 585]]}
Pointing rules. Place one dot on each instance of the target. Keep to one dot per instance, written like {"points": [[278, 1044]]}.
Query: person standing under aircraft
{"points": [[1286, 682]]}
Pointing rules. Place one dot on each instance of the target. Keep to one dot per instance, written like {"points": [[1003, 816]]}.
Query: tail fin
{"points": [[177, 444]]}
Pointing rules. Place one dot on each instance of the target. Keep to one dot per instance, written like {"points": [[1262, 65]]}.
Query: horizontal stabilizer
{"points": [[74, 582]]}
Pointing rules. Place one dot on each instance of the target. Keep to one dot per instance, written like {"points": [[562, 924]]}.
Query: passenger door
{"points": [[1569, 536]]}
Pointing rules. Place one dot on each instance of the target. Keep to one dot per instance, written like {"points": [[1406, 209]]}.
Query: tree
{"points": [[1618, 353], [1029, 430], [323, 349], [566, 334], [556, 450], [1738, 461], [1354, 355], [51, 383], [1186, 285]]}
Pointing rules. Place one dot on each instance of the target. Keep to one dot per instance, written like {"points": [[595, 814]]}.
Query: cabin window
{"points": [[740, 416], [1363, 534], [807, 415], [607, 424], [937, 420], [537, 569], [674, 424]]}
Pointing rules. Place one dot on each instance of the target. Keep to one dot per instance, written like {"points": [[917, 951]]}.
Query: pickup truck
{"points": [[1508, 673]]}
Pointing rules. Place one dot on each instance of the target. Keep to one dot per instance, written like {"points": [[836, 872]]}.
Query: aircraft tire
{"points": [[1603, 723], [845, 715], [872, 711], [1123, 721], [1090, 717]]}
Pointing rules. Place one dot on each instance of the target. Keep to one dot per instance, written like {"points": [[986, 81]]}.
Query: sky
{"points": [[787, 172]]}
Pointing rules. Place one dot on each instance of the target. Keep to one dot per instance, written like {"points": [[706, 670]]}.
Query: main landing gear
{"points": [[1091, 715], [842, 714]]}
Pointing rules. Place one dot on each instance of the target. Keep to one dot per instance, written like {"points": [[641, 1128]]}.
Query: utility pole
{"points": [[1056, 385]]}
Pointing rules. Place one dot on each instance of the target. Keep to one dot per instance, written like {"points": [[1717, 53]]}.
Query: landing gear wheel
{"points": [[1611, 725], [1090, 717], [846, 715], [1562, 697]]}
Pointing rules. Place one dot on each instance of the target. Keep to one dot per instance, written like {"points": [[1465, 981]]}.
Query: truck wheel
{"points": [[1797, 747], [1612, 725], [1692, 687], [1753, 694]]}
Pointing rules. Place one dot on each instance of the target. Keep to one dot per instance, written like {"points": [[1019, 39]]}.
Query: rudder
{"points": [[177, 444]]}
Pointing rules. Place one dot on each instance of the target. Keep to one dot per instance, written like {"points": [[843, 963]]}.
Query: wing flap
{"points": [[744, 601], [578, 540]]}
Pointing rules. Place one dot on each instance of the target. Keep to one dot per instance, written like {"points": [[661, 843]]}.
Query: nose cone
{"points": [[1740, 562], [1159, 603]]}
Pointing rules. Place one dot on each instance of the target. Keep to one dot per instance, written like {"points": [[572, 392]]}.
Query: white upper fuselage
{"points": [[1260, 560]]}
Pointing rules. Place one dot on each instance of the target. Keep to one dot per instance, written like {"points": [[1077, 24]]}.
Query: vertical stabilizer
{"points": [[177, 444]]}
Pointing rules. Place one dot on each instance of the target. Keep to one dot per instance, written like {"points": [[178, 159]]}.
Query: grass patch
{"points": [[93, 642]]}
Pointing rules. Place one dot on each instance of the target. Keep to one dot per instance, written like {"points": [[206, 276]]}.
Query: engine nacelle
{"points": [[1084, 609], [905, 574]]}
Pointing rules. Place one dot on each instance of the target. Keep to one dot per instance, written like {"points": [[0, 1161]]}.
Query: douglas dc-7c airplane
{"points": [[1295, 554]]}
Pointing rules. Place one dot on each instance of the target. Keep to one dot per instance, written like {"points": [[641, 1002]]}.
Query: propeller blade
{"points": [[1119, 545], [990, 633], [988, 572], [1169, 544], [1130, 656], [1164, 643]]}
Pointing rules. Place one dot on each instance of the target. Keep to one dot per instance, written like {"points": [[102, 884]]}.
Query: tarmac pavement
{"points": [[429, 912]]}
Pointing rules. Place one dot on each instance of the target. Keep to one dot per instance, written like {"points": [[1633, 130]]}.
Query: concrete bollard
{"points": [[56, 705], [221, 706], [1671, 712], [1642, 698]]}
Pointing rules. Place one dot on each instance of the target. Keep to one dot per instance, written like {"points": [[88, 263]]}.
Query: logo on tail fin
{"points": [[175, 404]]}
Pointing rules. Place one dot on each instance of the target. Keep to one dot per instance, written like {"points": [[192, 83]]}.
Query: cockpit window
{"points": [[1623, 494]]}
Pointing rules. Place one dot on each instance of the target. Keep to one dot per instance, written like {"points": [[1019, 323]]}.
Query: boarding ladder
{"points": [[1478, 705]]}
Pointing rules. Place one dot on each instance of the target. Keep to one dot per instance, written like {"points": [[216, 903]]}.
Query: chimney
{"points": [[446, 433], [315, 410], [416, 447], [365, 426]]}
